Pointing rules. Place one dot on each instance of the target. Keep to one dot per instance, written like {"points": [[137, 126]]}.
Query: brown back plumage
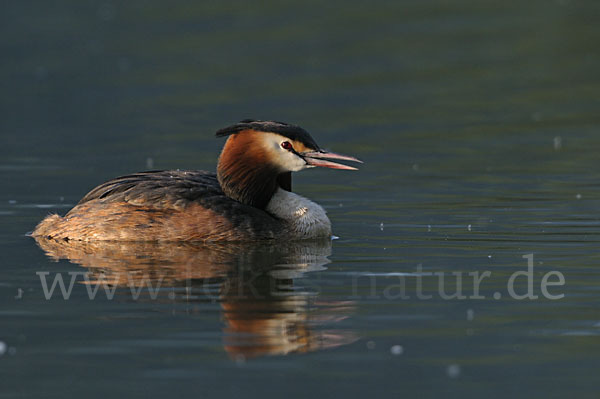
{"points": [[161, 206]]}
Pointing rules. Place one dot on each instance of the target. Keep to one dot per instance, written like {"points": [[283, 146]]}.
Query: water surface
{"points": [[478, 124]]}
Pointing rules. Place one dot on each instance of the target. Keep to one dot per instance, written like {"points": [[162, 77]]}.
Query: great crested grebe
{"points": [[249, 198]]}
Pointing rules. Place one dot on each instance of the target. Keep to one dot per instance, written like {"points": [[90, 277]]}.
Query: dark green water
{"points": [[479, 126]]}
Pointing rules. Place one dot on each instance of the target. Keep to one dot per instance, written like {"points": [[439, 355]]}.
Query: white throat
{"points": [[305, 218]]}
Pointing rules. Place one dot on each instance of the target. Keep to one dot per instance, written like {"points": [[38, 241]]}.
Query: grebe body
{"points": [[249, 198]]}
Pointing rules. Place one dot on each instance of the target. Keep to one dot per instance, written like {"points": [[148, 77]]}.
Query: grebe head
{"points": [[259, 157]]}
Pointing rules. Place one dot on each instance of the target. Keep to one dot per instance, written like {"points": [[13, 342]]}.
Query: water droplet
{"points": [[397, 350], [469, 227], [453, 371], [381, 226], [370, 345], [557, 143], [240, 359], [3, 348], [428, 227], [470, 314], [578, 196]]}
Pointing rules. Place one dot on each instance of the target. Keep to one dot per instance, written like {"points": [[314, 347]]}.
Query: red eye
{"points": [[286, 145]]}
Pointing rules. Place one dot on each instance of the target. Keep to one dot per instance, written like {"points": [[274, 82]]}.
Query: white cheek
{"points": [[285, 159], [293, 162]]}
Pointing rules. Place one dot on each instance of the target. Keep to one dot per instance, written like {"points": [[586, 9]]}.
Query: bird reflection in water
{"points": [[266, 311]]}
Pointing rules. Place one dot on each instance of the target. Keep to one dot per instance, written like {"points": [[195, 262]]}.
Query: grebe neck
{"points": [[244, 175], [252, 186]]}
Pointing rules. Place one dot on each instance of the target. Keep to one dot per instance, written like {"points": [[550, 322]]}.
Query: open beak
{"points": [[320, 158]]}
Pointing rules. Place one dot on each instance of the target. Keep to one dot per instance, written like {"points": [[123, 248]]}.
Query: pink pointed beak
{"points": [[320, 158]]}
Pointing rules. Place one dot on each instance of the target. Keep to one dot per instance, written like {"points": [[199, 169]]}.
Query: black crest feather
{"points": [[292, 132]]}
